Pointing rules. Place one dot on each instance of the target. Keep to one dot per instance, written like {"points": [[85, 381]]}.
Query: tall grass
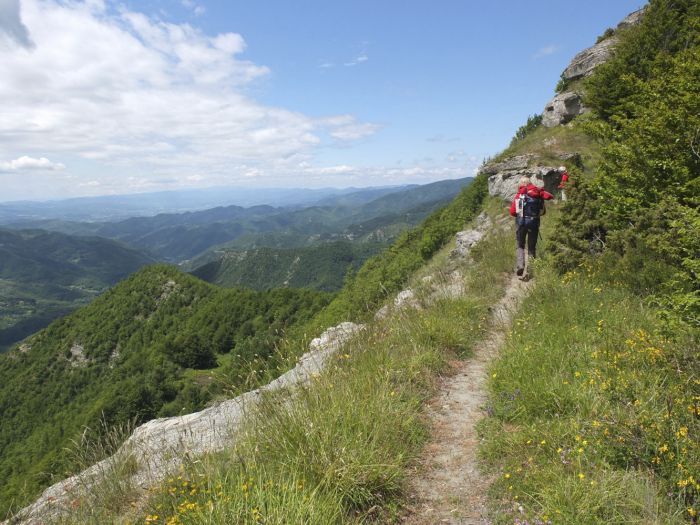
{"points": [[108, 491], [594, 411], [340, 450]]}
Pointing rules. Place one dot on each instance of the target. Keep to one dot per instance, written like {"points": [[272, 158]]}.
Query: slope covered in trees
{"points": [[594, 421], [593, 416], [144, 349], [639, 214], [178, 237], [44, 275], [321, 267]]}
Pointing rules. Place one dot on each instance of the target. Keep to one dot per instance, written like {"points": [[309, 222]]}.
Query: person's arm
{"points": [[513, 213], [546, 195]]}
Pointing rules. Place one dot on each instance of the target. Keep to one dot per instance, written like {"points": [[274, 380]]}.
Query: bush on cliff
{"points": [[639, 215]]}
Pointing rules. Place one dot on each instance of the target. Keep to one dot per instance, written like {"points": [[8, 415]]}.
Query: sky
{"points": [[104, 97]]}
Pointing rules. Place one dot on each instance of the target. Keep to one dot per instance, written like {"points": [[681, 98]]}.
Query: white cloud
{"points": [[25, 163], [377, 175], [132, 93], [332, 170], [347, 128], [546, 51], [196, 8], [357, 60]]}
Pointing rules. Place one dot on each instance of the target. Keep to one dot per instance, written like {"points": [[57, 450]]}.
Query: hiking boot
{"points": [[519, 271]]}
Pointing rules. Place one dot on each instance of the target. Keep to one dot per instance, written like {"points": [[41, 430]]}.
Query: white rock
{"points": [[562, 109], [160, 445], [407, 299], [505, 184]]}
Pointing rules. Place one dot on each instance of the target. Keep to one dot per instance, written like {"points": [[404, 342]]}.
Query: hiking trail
{"points": [[448, 486]]}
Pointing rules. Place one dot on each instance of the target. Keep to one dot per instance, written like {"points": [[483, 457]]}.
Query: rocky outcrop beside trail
{"points": [[583, 64], [159, 446], [632, 19], [562, 109], [467, 239], [443, 285], [587, 60], [565, 106], [505, 175]]}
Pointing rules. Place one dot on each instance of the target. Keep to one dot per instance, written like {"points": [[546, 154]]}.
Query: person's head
{"points": [[562, 169], [524, 181]]}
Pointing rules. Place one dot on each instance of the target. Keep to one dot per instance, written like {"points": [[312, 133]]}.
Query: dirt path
{"points": [[448, 487]]}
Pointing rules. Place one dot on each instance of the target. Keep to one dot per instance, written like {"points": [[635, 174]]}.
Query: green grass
{"points": [[594, 411], [548, 143]]}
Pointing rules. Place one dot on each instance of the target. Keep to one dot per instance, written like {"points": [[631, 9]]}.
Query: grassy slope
{"points": [[578, 432], [594, 405], [594, 410], [341, 452]]}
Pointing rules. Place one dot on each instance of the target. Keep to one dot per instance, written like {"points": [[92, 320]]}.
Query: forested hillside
{"points": [[44, 275], [379, 213], [593, 411], [322, 267], [159, 343], [639, 215]]}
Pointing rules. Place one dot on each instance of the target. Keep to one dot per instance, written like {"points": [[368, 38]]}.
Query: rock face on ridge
{"points": [[632, 19], [586, 61], [562, 109], [583, 64], [159, 445], [565, 106], [505, 176]]}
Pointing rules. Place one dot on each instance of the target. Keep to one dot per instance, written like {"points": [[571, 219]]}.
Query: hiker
{"points": [[564, 180], [527, 208]]}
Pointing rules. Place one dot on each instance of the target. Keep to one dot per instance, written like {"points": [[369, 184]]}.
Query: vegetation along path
{"points": [[449, 488]]}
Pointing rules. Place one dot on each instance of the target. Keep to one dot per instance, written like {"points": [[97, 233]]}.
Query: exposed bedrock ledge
{"points": [[562, 109], [504, 183], [159, 446]]}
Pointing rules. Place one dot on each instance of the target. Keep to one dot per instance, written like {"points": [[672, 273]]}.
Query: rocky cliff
{"points": [[568, 104]]}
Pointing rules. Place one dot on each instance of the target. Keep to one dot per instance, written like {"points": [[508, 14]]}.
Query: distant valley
{"points": [[55, 264]]}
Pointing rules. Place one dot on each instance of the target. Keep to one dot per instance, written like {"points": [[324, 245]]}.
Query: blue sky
{"points": [[120, 97]]}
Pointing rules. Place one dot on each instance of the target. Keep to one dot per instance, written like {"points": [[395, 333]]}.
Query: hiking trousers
{"points": [[525, 233]]}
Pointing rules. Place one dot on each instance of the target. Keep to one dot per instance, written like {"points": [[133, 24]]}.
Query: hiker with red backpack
{"points": [[564, 181], [527, 208]]}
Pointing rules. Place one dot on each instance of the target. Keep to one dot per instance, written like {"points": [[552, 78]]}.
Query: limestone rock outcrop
{"points": [[583, 64], [518, 162], [466, 239], [506, 176], [562, 109], [160, 445], [587, 60], [632, 19], [565, 106]]}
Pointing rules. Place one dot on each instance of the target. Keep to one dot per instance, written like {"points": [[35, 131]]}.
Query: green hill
{"points": [[44, 275], [321, 267], [152, 346], [593, 415]]}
